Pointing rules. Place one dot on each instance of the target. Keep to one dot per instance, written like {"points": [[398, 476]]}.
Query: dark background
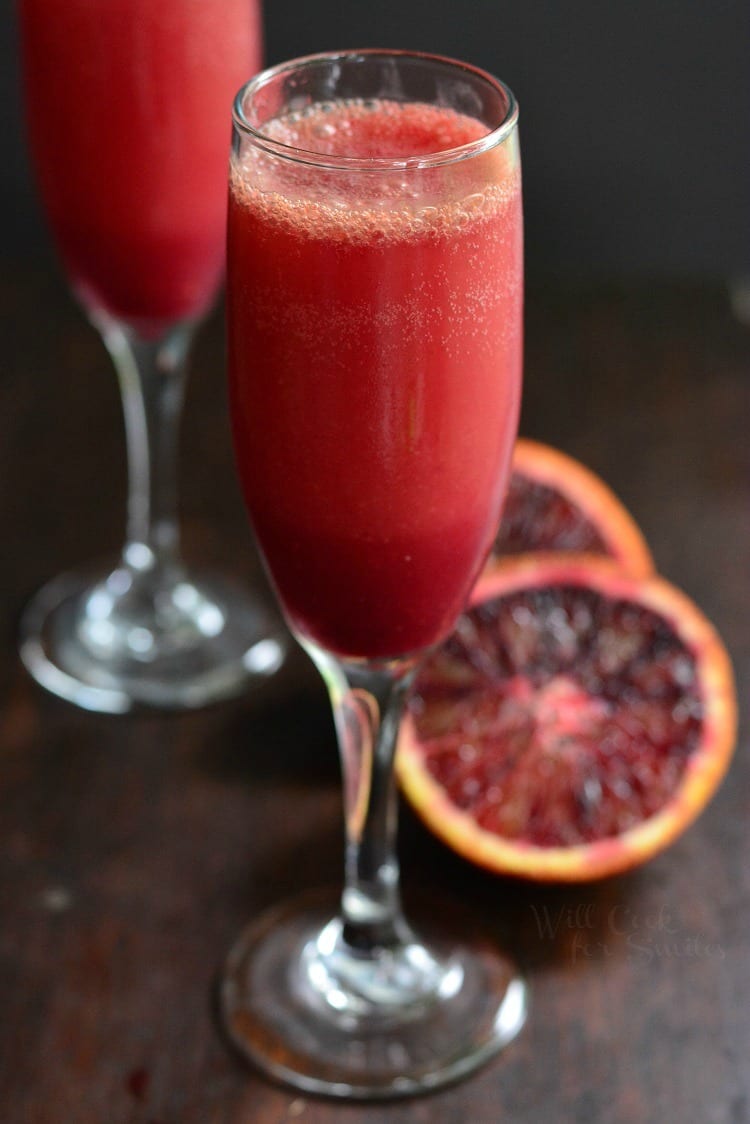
{"points": [[635, 120]]}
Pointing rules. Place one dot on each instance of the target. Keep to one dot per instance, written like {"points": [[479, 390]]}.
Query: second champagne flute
{"points": [[126, 105], [375, 307]]}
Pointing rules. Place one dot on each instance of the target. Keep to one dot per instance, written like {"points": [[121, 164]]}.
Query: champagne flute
{"points": [[375, 317], [126, 105]]}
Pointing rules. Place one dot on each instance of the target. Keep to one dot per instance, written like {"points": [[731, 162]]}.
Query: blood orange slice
{"points": [[555, 503], [573, 725]]}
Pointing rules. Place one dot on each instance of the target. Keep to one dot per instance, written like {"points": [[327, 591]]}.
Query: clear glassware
{"points": [[125, 103], [375, 315]]}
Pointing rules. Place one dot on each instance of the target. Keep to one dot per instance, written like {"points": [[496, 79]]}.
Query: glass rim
{"points": [[314, 159]]}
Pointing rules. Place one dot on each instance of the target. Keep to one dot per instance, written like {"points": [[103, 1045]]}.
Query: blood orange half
{"points": [[574, 724], [555, 503]]}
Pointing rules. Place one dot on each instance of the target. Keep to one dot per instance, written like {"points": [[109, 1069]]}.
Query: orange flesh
{"points": [[556, 503], [569, 753]]}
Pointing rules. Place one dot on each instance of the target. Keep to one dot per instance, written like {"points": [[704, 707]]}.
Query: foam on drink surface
{"points": [[376, 203]]}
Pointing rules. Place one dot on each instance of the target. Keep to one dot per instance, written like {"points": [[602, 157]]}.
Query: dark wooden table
{"points": [[133, 850]]}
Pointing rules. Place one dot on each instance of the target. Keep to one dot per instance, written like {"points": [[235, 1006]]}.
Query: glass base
{"points": [[133, 639], [411, 1020]]}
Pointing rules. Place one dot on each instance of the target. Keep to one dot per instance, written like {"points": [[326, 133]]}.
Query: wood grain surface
{"points": [[133, 850]]}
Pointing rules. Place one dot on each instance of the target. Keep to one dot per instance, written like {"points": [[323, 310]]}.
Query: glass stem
{"points": [[367, 702], [151, 373]]}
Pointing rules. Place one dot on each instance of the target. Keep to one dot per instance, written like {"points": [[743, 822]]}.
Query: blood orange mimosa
{"points": [[126, 105], [374, 314], [375, 360], [127, 113]]}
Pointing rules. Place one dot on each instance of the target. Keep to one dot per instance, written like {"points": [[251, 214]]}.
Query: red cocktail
{"points": [[374, 312], [375, 360], [127, 105]]}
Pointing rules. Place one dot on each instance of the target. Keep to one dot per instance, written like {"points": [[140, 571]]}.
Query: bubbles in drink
{"points": [[378, 204]]}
